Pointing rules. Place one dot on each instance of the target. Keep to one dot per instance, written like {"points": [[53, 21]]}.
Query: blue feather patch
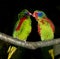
{"points": [[40, 14]]}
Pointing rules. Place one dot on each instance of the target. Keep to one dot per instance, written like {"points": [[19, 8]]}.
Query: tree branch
{"points": [[30, 45]]}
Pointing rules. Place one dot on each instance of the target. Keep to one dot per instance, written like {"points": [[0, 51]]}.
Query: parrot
{"points": [[21, 30], [46, 30]]}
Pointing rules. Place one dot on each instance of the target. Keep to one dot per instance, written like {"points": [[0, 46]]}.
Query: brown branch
{"points": [[30, 45]]}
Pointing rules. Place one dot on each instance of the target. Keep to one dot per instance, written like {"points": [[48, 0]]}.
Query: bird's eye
{"points": [[26, 13], [40, 14]]}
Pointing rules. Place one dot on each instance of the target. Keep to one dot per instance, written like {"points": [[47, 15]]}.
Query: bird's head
{"points": [[23, 13], [39, 14]]}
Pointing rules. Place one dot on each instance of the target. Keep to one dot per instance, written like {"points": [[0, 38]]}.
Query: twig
{"points": [[30, 45]]}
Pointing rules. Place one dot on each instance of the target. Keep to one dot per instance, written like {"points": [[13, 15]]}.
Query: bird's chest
{"points": [[46, 32]]}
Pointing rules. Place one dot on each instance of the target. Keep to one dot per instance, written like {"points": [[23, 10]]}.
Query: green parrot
{"points": [[46, 30], [21, 30]]}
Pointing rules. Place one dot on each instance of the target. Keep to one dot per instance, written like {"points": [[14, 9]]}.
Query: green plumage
{"points": [[22, 32], [46, 32], [25, 28], [44, 24]]}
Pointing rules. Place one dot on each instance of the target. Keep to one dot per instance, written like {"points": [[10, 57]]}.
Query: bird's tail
{"points": [[10, 51]]}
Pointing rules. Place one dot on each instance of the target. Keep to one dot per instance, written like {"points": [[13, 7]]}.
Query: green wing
{"points": [[22, 33]]}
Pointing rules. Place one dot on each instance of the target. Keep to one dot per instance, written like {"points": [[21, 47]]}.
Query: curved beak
{"points": [[30, 13], [33, 15]]}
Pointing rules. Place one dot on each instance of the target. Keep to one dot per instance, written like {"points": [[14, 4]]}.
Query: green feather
{"points": [[22, 13], [22, 33], [46, 32], [25, 28]]}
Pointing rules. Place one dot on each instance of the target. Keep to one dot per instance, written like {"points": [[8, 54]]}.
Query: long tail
{"points": [[51, 52], [10, 51]]}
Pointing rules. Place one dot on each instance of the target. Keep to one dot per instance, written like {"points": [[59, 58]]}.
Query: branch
{"points": [[30, 45]]}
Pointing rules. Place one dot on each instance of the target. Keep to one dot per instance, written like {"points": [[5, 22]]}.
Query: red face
{"points": [[35, 14]]}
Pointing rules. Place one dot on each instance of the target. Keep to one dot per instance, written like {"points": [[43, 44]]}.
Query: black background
{"points": [[10, 9]]}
